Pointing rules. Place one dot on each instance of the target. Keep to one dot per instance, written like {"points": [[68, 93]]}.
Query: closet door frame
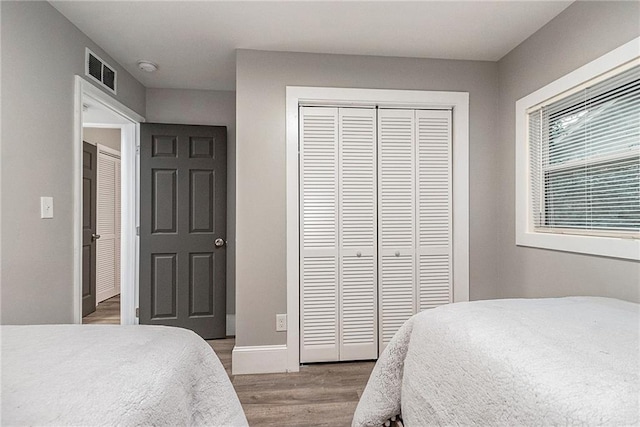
{"points": [[296, 96]]}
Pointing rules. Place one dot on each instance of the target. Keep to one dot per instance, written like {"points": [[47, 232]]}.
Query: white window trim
{"points": [[621, 247], [457, 101]]}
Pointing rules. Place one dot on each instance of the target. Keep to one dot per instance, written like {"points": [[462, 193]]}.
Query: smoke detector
{"points": [[147, 66]]}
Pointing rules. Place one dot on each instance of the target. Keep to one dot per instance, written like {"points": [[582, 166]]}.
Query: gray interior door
{"points": [[183, 227], [89, 187]]}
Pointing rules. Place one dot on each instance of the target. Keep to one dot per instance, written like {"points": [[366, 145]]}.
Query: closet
{"points": [[375, 225], [108, 224]]}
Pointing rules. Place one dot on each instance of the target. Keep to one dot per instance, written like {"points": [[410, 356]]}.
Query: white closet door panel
{"points": [[108, 225], [319, 177], [106, 182], [105, 269], [319, 320], [434, 248], [319, 234], [396, 213], [358, 234], [118, 211], [434, 279], [358, 227], [358, 299], [397, 293], [396, 178]]}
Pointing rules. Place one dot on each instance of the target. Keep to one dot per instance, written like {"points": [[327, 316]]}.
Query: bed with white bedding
{"points": [[554, 361], [113, 375]]}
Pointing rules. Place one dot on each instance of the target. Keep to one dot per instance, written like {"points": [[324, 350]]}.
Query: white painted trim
{"points": [[231, 325], [107, 150], [457, 101], [129, 249], [261, 359], [525, 236]]}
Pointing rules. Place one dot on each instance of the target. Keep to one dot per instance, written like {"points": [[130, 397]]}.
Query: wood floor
{"points": [[324, 394], [107, 312]]}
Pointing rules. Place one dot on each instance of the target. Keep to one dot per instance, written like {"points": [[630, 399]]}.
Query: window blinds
{"points": [[584, 153]]}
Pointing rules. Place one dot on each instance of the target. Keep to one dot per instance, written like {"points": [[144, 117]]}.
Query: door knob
{"points": [[219, 242], [95, 237]]}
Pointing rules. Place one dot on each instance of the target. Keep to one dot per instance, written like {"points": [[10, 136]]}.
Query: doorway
{"points": [[97, 115], [101, 216]]}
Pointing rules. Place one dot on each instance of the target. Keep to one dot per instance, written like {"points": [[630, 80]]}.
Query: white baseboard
{"points": [[262, 359], [231, 325]]}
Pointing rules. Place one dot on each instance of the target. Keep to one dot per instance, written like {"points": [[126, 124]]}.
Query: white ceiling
{"points": [[194, 43]]}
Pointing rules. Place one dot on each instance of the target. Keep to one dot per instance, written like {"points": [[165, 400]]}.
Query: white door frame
{"points": [[457, 101], [130, 204]]}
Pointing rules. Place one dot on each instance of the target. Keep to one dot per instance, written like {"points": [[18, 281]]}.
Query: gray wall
{"points": [[261, 80], [41, 53], [580, 34], [205, 107], [108, 137]]}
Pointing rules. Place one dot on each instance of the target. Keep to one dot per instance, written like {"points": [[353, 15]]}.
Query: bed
{"points": [[554, 361], [113, 375]]}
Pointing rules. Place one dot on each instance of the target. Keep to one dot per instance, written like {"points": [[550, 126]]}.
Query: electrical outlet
{"points": [[281, 322], [46, 207]]}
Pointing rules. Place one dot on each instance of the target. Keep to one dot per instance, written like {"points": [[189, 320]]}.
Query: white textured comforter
{"points": [[511, 362], [113, 375]]}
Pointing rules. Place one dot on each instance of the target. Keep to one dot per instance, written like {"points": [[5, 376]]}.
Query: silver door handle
{"points": [[219, 242], [95, 237]]}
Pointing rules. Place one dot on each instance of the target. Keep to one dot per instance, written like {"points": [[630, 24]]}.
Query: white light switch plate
{"points": [[46, 207]]}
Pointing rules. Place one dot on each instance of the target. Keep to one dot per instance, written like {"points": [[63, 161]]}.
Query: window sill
{"points": [[613, 247]]}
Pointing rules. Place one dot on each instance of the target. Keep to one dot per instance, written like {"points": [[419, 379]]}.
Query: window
{"points": [[579, 161]]}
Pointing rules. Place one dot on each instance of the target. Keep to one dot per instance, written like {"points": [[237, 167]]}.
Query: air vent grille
{"points": [[100, 72], [108, 77], [95, 67]]}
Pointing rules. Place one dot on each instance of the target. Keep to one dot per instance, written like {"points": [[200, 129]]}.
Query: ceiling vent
{"points": [[99, 71]]}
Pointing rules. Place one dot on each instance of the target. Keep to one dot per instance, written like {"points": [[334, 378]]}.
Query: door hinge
{"points": [[137, 150], [138, 230], [138, 312]]}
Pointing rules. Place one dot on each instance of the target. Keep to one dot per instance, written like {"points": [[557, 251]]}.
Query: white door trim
{"points": [[129, 199], [457, 101]]}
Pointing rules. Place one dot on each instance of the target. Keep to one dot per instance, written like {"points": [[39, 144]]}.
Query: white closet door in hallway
{"points": [[108, 221]]}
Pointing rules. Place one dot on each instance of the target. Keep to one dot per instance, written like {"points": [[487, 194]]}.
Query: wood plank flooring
{"points": [[107, 312], [322, 394]]}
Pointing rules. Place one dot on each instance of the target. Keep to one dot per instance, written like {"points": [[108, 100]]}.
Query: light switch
{"points": [[46, 207]]}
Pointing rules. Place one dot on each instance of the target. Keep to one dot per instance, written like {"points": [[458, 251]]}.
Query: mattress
{"points": [[549, 361], [112, 374]]}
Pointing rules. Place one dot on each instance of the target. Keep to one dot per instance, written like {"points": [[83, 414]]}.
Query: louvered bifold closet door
{"points": [[118, 212], [319, 328], [358, 234], [396, 213], [434, 248], [108, 226]]}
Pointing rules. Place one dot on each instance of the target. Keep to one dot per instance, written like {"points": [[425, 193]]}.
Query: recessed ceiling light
{"points": [[147, 66]]}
